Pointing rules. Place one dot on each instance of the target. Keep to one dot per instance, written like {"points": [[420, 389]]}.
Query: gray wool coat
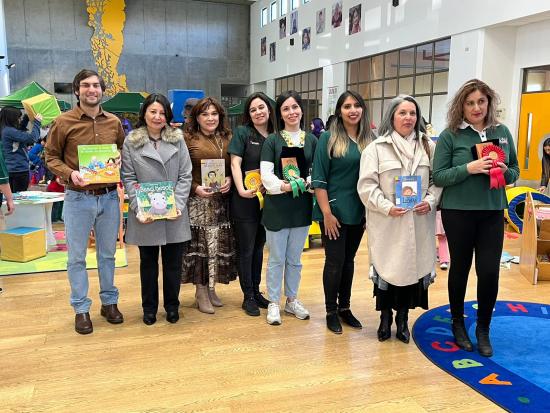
{"points": [[141, 162]]}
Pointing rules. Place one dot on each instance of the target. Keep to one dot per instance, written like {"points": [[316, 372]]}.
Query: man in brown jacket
{"points": [[87, 207]]}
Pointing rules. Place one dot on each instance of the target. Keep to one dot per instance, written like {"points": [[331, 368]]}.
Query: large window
{"points": [[421, 71], [273, 11], [283, 7], [309, 85], [263, 17], [294, 4]]}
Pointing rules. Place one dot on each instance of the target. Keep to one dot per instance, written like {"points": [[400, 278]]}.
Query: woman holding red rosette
{"points": [[474, 158]]}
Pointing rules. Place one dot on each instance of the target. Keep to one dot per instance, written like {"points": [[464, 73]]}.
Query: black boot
{"points": [[333, 323], [483, 343], [461, 335], [403, 334], [384, 330]]}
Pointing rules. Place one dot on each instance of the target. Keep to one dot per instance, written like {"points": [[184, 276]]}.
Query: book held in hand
{"points": [[156, 200], [408, 191], [99, 164], [213, 173]]}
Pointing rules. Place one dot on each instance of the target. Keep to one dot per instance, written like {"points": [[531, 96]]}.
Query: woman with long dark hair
{"points": [[285, 167], [210, 257], [247, 200], [339, 209], [14, 146], [317, 127], [545, 176], [472, 209], [156, 152]]}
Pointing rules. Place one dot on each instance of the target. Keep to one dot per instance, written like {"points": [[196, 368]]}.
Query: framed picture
{"points": [[282, 28], [337, 14], [272, 52], [263, 43], [320, 21], [306, 38], [294, 22], [355, 19]]}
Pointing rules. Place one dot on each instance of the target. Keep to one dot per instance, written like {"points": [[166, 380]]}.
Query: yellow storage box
{"points": [[22, 244]]}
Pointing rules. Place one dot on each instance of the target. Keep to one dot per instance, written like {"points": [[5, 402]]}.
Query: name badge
{"points": [[503, 140]]}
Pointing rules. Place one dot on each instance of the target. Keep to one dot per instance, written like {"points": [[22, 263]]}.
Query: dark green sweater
{"points": [[460, 189], [338, 176], [282, 210]]}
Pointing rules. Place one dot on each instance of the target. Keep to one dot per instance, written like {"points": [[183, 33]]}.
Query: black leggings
{"points": [[467, 232], [339, 265], [250, 238]]}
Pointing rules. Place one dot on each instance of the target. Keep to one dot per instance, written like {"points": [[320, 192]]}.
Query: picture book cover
{"points": [[213, 173], [99, 163], [408, 191], [156, 200]]}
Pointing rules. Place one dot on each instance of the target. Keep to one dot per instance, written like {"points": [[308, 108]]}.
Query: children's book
{"points": [[156, 200], [408, 191], [99, 163], [213, 173]]}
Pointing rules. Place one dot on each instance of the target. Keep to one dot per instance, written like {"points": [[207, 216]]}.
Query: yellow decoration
{"points": [[45, 104], [107, 18], [22, 244], [253, 180]]}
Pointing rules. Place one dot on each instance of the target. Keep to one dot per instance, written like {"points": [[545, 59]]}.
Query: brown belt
{"points": [[96, 191]]}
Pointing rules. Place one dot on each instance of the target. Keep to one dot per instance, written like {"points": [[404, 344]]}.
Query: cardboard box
{"points": [[22, 244], [44, 104]]}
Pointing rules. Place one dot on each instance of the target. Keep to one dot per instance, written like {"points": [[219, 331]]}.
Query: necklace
{"points": [[288, 139], [217, 143]]}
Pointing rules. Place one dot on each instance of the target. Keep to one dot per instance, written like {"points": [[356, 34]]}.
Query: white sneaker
{"points": [[297, 308], [273, 314], [444, 265]]}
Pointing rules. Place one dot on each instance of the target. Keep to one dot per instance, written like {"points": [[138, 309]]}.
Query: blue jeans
{"points": [[285, 250], [82, 212]]}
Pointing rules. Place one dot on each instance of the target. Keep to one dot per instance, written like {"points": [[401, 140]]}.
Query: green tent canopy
{"points": [[29, 91], [125, 102], [238, 109]]}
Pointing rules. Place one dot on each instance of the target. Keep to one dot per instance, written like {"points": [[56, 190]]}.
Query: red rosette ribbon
{"points": [[496, 176]]}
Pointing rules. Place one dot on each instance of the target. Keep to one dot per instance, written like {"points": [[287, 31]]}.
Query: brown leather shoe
{"points": [[111, 313], [83, 324]]}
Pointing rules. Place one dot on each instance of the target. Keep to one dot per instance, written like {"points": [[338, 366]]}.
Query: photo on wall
{"points": [[294, 22], [320, 21], [306, 38], [337, 14], [272, 52], [282, 28], [263, 46], [355, 19]]}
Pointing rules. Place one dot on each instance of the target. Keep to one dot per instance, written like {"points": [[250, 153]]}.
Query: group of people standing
{"points": [[273, 167]]}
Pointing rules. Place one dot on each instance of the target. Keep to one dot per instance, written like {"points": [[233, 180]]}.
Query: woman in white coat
{"points": [[402, 254], [156, 152]]}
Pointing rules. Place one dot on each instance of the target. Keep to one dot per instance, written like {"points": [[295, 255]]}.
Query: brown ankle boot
{"points": [[203, 302], [214, 299]]}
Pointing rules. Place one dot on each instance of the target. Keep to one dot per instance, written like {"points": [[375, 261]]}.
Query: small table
{"points": [[34, 209]]}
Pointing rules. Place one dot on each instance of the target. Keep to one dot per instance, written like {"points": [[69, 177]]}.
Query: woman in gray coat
{"points": [[156, 152]]}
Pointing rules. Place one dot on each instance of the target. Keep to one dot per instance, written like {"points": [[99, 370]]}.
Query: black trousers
{"points": [[467, 232], [171, 276], [339, 265], [250, 238], [19, 181]]}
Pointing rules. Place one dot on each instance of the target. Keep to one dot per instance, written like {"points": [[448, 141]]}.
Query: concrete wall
{"points": [[168, 44]]}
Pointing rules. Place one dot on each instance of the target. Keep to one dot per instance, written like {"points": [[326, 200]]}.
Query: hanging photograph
{"points": [[294, 22], [306, 38], [320, 21], [263, 43], [337, 14], [272, 52], [355, 19], [282, 28]]}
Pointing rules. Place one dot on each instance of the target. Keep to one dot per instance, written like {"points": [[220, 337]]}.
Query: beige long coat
{"points": [[402, 249]]}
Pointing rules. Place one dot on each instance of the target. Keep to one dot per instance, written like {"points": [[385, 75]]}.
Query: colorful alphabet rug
{"points": [[56, 259], [517, 377]]}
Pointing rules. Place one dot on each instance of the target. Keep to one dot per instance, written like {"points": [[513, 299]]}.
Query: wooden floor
{"points": [[227, 362]]}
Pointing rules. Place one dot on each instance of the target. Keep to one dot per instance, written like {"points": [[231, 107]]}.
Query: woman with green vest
{"points": [[285, 168], [246, 203], [474, 158], [339, 209]]}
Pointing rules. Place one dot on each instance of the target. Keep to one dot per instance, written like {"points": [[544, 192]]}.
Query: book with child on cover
{"points": [[99, 164], [408, 191], [156, 200], [213, 173]]}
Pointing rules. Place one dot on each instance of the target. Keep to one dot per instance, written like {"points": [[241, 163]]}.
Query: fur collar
{"points": [[139, 137]]}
